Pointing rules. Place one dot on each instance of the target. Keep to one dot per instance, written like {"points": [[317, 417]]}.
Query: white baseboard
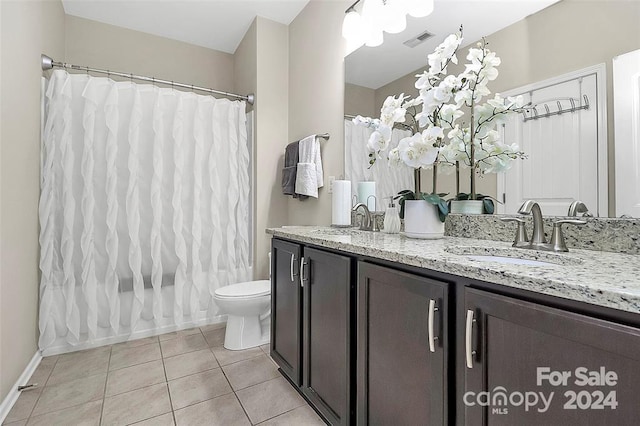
{"points": [[13, 395]]}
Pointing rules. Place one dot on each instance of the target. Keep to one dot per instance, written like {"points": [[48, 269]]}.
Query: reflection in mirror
{"points": [[537, 42], [389, 180]]}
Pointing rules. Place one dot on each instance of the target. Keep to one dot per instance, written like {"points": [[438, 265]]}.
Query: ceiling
{"points": [[374, 67], [215, 24]]}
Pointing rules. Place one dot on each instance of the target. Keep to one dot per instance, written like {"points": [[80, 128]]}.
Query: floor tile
{"points": [[76, 392], [137, 342], [180, 333], [211, 327], [250, 372], [24, 405], [215, 338], [85, 415], [163, 420], [181, 345], [199, 387], [224, 411], [137, 405], [18, 423], [79, 355], [135, 377], [301, 416], [43, 371], [265, 348], [122, 357], [90, 364], [269, 399], [189, 363], [225, 356]]}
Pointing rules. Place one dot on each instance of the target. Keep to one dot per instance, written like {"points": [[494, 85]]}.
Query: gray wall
{"points": [[27, 29], [316, 96]]}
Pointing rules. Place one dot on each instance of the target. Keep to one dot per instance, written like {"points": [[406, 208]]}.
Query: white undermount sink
{"points": [[509, 260], [513, 256]]}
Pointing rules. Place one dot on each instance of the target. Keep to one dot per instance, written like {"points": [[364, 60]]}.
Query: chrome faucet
{"points": [[578, 207], [537, 235], [366, 220]]}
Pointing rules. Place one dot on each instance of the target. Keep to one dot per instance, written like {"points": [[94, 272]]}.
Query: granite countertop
{"points": [[596, 277]]}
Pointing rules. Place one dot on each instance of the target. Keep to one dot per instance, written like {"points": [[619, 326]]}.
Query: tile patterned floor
{"points": [[180, 378]]}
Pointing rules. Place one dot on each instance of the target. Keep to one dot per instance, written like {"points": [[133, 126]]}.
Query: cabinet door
{"points": [[286, 307], [327, 353], [402, 348], [587, 369]]}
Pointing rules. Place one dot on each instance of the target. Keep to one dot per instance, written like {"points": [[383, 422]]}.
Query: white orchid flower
{"points": [[417, 151], [450, 113], [392, 111], [515, 101], [394, 157], [412, 103], [463, 97], [443, 53], [379, 139], [424, 80]]}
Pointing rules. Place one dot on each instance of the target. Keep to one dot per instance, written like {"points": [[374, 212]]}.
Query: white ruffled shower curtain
{"points": [[144, 209], [389, 179]]}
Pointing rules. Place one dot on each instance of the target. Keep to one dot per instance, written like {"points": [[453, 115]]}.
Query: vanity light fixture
{"points": [[366, 27]]}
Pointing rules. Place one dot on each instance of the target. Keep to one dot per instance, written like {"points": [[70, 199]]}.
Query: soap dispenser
{"points": [[391, 218]]}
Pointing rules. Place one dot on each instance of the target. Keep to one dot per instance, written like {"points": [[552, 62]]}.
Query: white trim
{"points": [[603, 167], [12, 396]]}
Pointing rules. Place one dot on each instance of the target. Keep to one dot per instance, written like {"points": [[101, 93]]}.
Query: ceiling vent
{"points": [[419, 39]]}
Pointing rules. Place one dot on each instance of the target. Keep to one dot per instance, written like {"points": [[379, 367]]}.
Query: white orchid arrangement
{"points": [[440, 136]]}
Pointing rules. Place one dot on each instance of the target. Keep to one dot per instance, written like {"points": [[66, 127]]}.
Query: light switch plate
{"points": [[331, 180]]}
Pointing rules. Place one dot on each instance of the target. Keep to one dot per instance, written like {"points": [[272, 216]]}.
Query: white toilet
{"points": [[248, 309]]}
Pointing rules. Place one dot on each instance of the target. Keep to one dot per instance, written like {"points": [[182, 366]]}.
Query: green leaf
{"points": [[443, 210], [431, 198], [488, 205]]}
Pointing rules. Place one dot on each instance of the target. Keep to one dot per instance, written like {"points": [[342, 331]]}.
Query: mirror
{"points": [[536, 41]]}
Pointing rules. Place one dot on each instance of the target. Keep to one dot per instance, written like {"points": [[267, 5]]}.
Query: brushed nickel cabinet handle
{"points": [[432, 338], [302, 271], [468, 334], [293, 275]]}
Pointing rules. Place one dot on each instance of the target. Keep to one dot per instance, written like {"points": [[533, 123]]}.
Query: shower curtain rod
{"points": [[48, 63]]}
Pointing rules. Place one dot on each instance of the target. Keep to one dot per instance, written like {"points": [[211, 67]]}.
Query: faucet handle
{"points": [[557, 238], [374, 221], [521, 233]]}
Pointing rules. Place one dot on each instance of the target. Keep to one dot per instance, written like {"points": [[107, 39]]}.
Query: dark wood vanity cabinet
{"points": [[326, 334], [589, 367], [372, 344], [286, 308], [402, 348], [311, 325]]}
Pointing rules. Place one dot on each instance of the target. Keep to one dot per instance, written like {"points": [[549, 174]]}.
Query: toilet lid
{"points": [[248, 289]]}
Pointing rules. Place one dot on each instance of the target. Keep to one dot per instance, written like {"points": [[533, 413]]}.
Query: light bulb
{"points": [[352, 26], [420, 8], [395, 18], [372, 20], [375, 39]]}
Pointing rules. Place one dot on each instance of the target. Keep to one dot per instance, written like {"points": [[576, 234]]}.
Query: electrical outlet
{"points": [[331, 180]]}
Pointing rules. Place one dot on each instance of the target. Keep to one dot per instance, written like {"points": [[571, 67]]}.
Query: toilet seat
{"points": [[246, 290]]}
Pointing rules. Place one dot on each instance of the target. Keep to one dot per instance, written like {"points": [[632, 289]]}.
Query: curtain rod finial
{"points": [[47, 62]]}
